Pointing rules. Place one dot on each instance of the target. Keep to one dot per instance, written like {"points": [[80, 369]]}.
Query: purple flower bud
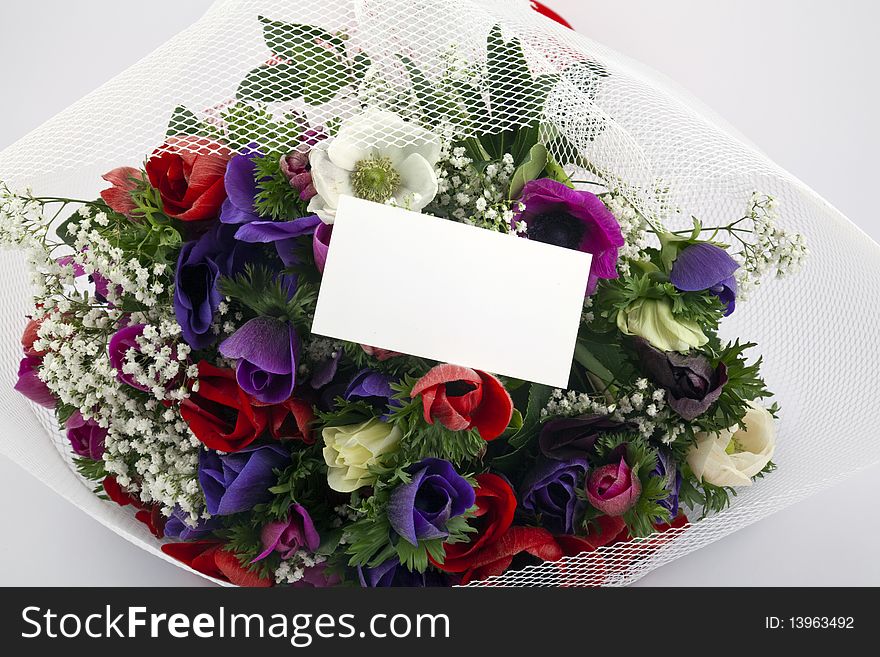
{"points": [[705, 266], [296, 532], [85, 436]]}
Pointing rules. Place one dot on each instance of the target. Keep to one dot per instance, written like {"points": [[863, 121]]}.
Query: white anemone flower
{"points": [[379, 157], [733, 456]]}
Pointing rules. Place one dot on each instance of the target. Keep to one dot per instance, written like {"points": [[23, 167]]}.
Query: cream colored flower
{"points": [[733, 456], [653, 320], [376, 156], [349, 452]]}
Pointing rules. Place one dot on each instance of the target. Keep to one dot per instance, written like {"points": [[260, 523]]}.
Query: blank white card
{"points": [[445, 291]]}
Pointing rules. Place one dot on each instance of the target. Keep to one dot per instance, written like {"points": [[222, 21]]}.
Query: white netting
{"points": [[816, 331]]}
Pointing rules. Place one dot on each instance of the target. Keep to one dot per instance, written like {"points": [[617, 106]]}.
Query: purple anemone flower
{"points": [[671, 475], [321, 244], [288, 536], [392, 574], [266, 349], [200, 266], [705, 266], [372, 387], [436, 493], [85, 436], [30, 385], [178, 526], [237, 482], [282, 234], [241, 188], [692, 384], [574, 219], [550, 490], [120, 344]]}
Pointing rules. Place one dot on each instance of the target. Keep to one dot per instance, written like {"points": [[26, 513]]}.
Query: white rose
{"points": [[377, 156], [349, 451], [733, 456]]}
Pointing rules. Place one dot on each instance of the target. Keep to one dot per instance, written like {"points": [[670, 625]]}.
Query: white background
{"points": [[798, 78]]}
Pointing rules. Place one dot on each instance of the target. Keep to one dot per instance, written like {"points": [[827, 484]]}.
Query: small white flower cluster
{"points": [[148, 448], [316, 351], [644, 409], [21, 220], [774, 251], [95, 253], [161, 363], [473, 197], [292, 570], [633, 227]]}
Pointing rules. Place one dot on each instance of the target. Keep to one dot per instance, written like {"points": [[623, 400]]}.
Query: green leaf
{"points": [[434, 104], [539, 395], [554, 171], [585, 357], [530, 169], [185, 122], [271, 84], [294, 41]]}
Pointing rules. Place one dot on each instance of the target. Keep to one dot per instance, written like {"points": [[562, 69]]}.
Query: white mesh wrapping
{"points": [[816, 331]]}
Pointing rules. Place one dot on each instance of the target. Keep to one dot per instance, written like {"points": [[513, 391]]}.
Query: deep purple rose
{"points": [[392, 574], [85, 436], [286, 537], [178, 526], [692, 385], [668, 471], [574, 219], [200, 265], [705, 266], [550, 490], [122, 341], [567, 438], [29, 383], [267, 350], [237, 482], [614, 488], [436, 493]]}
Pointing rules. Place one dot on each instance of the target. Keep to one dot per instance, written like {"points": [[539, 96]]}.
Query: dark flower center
{"points": [[557, 228], [459, 388]]}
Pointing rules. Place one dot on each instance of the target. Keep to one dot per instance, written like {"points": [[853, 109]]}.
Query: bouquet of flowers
{"points": [[170, 330]]}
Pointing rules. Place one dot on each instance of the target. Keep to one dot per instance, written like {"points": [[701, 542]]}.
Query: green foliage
{"points": [[89, 469], [247, 123], [265, 293], [312, 70], [531, 168], [539, 395], [744, 384], [184, 122], [435, 102], [245, 543], [613, 296], [297, 483], [275, 198]]}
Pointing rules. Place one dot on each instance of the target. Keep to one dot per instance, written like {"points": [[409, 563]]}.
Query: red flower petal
{"points": [[153, 519], [493, 414], [444, 373], [231, 567], [118, 494], [536, 541], [198, 555]]}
